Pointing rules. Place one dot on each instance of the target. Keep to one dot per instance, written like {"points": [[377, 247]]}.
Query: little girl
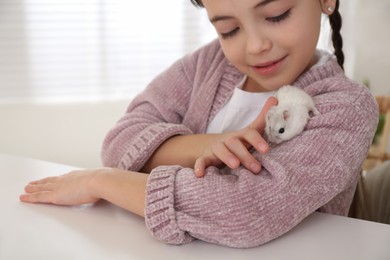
{"points": [[189, 155]]}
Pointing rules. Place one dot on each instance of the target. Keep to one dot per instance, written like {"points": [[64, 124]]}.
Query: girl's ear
{"points": [[328, 6]]}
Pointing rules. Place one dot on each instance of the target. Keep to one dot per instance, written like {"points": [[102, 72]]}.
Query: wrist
{"points": [[97, 181], [123, 188]]}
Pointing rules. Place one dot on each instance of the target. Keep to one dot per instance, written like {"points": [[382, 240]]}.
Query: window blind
{"points": [[92, 49]]}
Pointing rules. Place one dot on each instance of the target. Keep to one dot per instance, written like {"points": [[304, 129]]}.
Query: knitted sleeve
{"points": [[239, 209], [174, 103], [151, 118]]}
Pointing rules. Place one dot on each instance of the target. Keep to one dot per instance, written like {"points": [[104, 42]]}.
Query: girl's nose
{"points": [[257, 43]]}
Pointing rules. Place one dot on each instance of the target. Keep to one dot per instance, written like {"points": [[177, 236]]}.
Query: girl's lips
{"points": [[268, 68]]}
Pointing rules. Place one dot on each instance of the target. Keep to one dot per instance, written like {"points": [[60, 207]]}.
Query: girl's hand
{"points": [[69, 189], [231, 148], [123, 188]]}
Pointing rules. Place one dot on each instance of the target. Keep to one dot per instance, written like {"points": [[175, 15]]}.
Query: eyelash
{"points": [[229, 34], [276, 19], [280, 18]]}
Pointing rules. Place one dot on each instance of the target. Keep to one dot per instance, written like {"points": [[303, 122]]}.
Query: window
{"points": [[92, 49]]}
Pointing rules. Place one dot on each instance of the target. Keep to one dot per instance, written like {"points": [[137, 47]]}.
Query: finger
{"points": [[254, 138], [225, 155], [31, 188], [45, 180], [38, 197], [259, 122], [242, 153], [200, 166]]}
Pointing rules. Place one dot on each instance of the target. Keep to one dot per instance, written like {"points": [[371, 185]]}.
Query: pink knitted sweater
{"points": [[316, 171]]}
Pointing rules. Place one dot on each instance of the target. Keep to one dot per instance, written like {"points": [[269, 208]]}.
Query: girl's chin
{"points": [[263, 85]]}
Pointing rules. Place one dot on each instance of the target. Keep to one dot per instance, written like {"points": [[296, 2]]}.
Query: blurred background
{"points": [[69, 68]]}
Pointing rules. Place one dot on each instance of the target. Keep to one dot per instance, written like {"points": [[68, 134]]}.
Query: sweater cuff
{"points": [[160, 214], [145, 144]]}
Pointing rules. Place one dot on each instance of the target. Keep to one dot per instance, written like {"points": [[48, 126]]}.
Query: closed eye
{"points": [[230, 34], [279, 18]]}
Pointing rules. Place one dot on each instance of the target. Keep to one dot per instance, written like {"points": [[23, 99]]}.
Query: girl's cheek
{"points": [[233, 52]]}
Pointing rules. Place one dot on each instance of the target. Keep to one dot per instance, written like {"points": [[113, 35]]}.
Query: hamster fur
{"points": [[289, 117]]}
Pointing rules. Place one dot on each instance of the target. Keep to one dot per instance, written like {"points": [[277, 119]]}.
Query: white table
{"points": [[103, 231]]}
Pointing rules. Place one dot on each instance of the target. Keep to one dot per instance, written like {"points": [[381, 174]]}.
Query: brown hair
{"points": [[335, 23], [197, 3]]}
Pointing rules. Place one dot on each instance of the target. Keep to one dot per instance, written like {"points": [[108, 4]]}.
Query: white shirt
{"points": [[242, 108]]}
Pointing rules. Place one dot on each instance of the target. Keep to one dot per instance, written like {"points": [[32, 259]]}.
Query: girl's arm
{"points": [[148, 122], [122, 188], [317, 170], [167, 153], [230, 148], [172, 111]]}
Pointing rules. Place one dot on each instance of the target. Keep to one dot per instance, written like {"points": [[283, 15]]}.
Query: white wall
{"points": [[366, 34], [66, 133]]}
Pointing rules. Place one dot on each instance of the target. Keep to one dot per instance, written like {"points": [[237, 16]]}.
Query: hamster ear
{"points": [[285, 114], [271, 112]]}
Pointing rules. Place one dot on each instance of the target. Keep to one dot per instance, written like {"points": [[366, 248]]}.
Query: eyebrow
{"points": [[264, 2], [226, 17]]}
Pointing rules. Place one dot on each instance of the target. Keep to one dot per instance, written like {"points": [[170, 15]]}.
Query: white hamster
{"points": [[290, 116]]}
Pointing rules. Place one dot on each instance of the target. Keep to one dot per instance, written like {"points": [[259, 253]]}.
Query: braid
{"points": [[335, 23], [197, 3]]}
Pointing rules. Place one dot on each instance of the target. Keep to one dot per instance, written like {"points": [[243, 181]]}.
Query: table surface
{"points": [[104, 231]]}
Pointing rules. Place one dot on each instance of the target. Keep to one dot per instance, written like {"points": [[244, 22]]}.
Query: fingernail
{"points": [[263, 148], [232, 163], [255, 167], [198, 173]]}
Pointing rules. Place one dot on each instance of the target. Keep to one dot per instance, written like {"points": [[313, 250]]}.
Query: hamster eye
{"points": [[281, 130]]}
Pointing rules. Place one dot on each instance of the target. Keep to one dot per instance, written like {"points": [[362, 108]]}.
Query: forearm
{"points": [[179, 150], [122, 188]]}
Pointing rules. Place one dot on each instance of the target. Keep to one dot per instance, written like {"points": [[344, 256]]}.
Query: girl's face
{"points": [[271, 41]]}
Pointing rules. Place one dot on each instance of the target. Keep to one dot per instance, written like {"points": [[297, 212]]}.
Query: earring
{"points": [[330, 9]]}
